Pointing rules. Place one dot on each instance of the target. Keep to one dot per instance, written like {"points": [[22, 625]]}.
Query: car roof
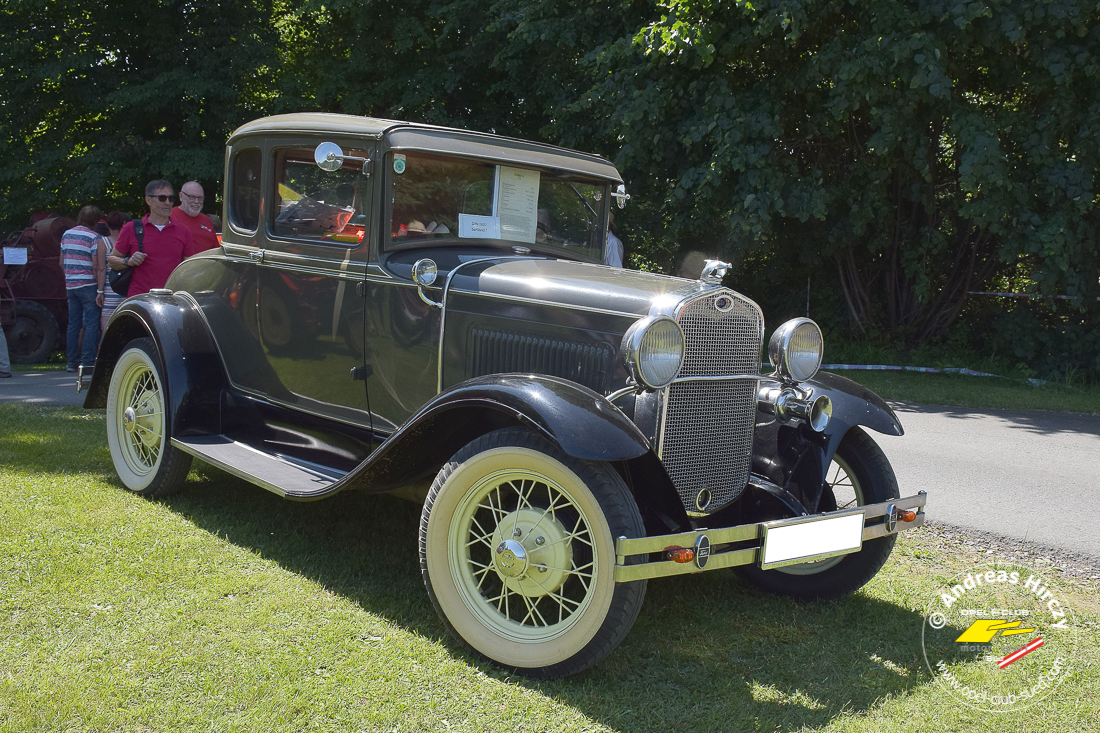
{"points": [[398, 135]]}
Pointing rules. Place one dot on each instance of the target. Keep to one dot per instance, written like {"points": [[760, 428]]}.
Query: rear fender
{"points": [[189, 359]]}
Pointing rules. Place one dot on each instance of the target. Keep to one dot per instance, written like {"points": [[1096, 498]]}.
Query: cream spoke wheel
{"points": [[531, 573], [138, 432], [518, 552]]}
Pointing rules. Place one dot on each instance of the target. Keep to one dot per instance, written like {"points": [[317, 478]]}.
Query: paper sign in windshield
{"points": [[481, 227], [517, 203]]}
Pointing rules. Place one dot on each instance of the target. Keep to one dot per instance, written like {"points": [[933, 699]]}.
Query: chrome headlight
{"points": [[795, 350], [653, 349]]}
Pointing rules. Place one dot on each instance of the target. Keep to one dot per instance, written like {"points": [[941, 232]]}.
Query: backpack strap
{"points": [[139, 232]]}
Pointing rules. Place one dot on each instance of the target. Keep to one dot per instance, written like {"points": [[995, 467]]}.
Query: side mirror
{"points": [[330, 157], [621, 196]]}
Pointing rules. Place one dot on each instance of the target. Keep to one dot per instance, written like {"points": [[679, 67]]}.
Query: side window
{"points": [[311, 203], [244, 190]]}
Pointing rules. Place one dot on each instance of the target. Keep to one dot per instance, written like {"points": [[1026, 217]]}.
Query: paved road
{"points": [[42, 388], [1028, 475], [1024, 474]]}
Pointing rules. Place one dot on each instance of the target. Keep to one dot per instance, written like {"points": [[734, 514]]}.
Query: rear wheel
{"points": [[34, 335], [517, 549], [139, 424], [860, 474]]}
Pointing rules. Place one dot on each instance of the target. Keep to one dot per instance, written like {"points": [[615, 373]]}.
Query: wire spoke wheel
{"points": [[138, 424], [517, 549], [525, 557]]}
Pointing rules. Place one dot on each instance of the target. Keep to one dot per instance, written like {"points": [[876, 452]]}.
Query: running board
{"points": [[288, 477]]}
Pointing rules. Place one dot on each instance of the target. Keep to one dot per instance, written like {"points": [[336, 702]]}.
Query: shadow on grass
{"points": [[707, 652]]}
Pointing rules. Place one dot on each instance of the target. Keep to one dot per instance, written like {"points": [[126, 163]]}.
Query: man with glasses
{"points": [[189, 215], [164, 244]]}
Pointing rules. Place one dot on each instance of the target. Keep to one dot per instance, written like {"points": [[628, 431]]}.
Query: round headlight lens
{"points": [[796, 348], [654, 350]]}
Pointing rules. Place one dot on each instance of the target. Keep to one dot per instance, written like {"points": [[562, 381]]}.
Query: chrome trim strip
{"points": [[443, 309], [626, 547], [537, 301]]}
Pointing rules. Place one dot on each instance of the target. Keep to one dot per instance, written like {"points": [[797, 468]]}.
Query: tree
{"points": [[916, 149], [98, 98]]}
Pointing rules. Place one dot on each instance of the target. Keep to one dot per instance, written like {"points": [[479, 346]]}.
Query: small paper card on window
{"points": [[481, 227], [517, 203], [15, 256]]}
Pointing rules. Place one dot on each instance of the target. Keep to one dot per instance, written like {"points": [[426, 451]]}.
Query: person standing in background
{"points": [[613, 254], [115, 221], [82, 257], [189, 215], [5, 362], [164, 244]]}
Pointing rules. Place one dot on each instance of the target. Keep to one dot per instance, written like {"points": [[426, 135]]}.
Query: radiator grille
{"points": [[706, 439], [499, 352]]}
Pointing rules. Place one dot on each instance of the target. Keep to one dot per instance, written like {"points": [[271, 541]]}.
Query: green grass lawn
{"points": [[227, 608], [980, 392]]}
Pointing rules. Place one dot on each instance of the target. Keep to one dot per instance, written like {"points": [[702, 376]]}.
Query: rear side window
{"points": [[244, 189]]}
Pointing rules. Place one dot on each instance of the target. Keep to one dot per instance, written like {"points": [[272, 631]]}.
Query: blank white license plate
{"points": [[789, 543]]}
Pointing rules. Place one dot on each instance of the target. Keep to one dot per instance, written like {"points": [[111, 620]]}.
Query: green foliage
{"points": [[903, 152], [99, 98], [897, 154]]}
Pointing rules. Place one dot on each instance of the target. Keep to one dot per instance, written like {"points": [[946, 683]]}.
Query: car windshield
{"points": [[445, 198]]}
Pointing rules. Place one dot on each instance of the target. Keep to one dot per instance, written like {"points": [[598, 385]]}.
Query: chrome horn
{"points": [[790, 404]]}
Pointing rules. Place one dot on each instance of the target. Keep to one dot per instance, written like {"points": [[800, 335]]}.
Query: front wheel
{"points": [[860, 474], [139, 424], [517, 549]]}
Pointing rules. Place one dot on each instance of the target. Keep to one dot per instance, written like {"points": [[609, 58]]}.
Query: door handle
{"points": [[258, 255]]}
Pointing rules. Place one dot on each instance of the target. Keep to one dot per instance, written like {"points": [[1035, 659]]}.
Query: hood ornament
{"points": [[714, 271]]}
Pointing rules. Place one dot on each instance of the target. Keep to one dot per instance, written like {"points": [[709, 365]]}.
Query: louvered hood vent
{"points": [[501, 352]]}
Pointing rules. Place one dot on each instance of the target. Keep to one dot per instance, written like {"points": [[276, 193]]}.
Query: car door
{"points": [[311, 272]]}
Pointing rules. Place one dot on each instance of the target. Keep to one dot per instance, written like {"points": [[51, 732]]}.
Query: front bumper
{"points": [[768, 544]]}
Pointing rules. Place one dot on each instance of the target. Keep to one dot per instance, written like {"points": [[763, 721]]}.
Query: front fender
{"points": [[190, 363], [583, 423], [853, 404]]}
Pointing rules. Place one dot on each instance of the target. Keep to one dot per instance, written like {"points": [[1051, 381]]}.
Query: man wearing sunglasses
{"points": [[164, 244], [189, 215]]}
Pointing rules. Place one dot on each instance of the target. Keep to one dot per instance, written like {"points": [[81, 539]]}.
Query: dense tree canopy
{"points": [[899, 154]]}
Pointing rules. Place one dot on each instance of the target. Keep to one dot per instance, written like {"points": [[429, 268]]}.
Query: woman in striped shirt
{"points": [[82, 256]]}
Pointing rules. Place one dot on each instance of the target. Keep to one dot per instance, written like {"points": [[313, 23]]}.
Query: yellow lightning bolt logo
{"points": [[983, 630]]}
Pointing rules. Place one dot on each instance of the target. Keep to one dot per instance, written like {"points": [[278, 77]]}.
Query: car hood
{"points": [[579, 284]]}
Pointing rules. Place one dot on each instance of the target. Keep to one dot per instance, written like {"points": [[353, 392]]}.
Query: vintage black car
{"points": [[405, 308]]}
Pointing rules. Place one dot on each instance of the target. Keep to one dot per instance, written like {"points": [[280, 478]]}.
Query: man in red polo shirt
{"points": [[165, 244], [189, 215]]}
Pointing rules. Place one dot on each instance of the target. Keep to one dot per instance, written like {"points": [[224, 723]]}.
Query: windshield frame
{"points": [[601, 207]]}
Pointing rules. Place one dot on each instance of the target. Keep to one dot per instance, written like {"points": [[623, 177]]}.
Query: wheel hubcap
{"points": [[511, 559], [129, 419], [533, 552]]}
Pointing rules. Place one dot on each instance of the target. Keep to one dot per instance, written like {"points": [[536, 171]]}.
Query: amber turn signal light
{"points": [[906, 515], [679, 554]]}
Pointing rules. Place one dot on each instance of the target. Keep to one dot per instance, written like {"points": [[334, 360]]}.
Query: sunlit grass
{"points": [[227, 608]]}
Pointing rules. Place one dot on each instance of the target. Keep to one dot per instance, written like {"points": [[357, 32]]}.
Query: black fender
{"points": [[802, 457], [853, 404], [581, 422], [192, 368]]}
